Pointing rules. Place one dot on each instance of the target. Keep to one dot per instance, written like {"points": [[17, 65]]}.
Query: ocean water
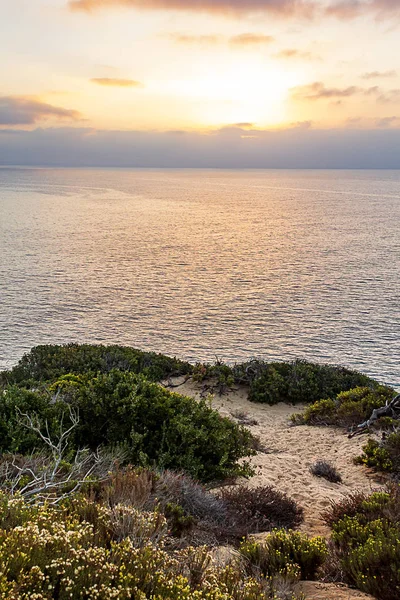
{"points": [[204, 263]]}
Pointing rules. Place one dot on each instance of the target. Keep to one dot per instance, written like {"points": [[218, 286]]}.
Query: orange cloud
{"points": [[111, 81], [341, 9], [20, 110], [350, 9], [318, 91], [378, 74], [293, 53], [280, 7], [183, 38], [251, 39]]}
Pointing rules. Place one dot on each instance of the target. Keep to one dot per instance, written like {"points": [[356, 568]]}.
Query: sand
{"points": [[288, 452]]}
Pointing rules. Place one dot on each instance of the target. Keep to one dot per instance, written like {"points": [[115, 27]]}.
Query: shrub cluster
{"points": [[157, 427], [366, 534], [269, 382], [199, 515], [349, 408], [85, 550]]}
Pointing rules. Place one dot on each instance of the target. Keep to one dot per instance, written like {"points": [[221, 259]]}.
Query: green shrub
{"points": [[286, 553], [157, 427], [349, 408], [47, 363], [301, 381], [321, 412], [384, 455], [366, 537]]}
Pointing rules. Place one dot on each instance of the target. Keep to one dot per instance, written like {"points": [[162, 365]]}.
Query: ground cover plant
{"points": [[291, 553], [347, 408], [82, 549], [383, 455], [366, 541]]}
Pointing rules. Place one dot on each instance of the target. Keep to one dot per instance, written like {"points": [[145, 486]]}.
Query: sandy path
{"points": [[289, 452]]}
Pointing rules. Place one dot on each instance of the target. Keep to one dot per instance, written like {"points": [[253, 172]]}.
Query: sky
{"points": [[200, 83]]}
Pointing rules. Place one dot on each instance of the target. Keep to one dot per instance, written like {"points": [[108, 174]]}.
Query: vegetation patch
{"points": [[383, 455], [347, 409], [154, 426], [324, 469], [366, 541], [287, 553], [82, 549]]}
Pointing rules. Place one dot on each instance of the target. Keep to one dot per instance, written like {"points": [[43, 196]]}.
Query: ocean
{"points": [[202, 264]]}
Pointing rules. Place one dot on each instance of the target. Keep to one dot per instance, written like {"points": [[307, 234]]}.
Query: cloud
{"points": [[16, 110], [386, 122], [293, 53], [115, 82], [183, 38], [378, 74], [318, 91], [243, 39], [351, 9], [251, 39], [340, 9], [389, 97], [294, 147], [286, 8]]}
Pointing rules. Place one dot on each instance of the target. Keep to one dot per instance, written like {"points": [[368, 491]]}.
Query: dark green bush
{"points": [[47, 363], [367, 543], [347, 409], [157, 427], [301, 381]]}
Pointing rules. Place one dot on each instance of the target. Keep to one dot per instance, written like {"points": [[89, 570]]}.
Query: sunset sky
{"points": [[200, 67]]}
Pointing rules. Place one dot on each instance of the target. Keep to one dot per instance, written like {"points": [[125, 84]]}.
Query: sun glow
{"points": [[251, 92]]}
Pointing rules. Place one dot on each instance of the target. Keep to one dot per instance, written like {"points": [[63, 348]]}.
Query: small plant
{"points": [[384, 455], [287, 553], [326, 470], [243, 418]]}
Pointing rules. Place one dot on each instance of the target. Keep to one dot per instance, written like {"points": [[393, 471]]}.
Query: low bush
{"points": [[84, 550], [157, 427], [349, 408], [48, 363], [366, 538], [260, 509], [228, 515], [324, 469], [287, 553], [300, 381], [383, 455], [347, 506]]}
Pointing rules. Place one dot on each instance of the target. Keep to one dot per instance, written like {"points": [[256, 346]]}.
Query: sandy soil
{"points": [[288, 453]]}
